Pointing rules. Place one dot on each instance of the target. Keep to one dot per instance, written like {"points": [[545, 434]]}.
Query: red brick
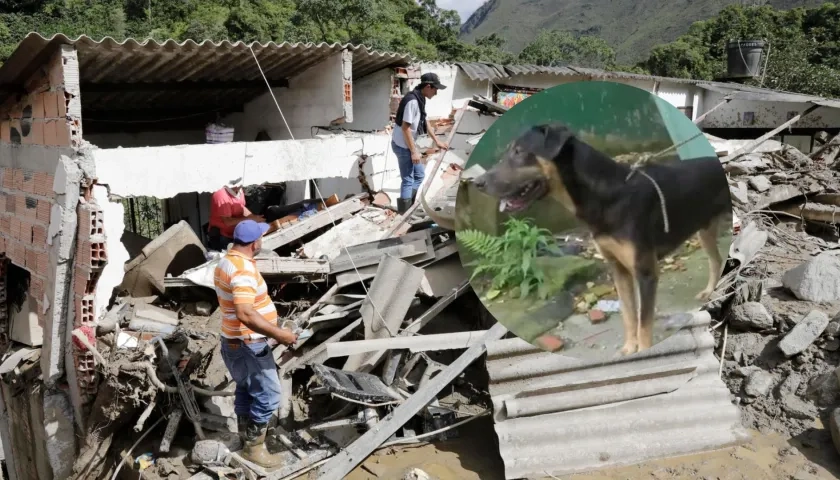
{"points": [[28, 181], [44, 264], [32, 260], [31, 205], [11, 203], [36, 288], [17, 253], [597, 316], [44, 184], [61, 103], [25, 231], [55, 71], [39, 235], [9, 178], [50, 105], [84, 311], [18, 179], [50, 135], [42, 213], [6, 226], [5, 131], [38, 106], [550, 342], [83, 253], [14, 228], [2, 244], [38, 82], [3, 199], [62, 134], [37, 132]]}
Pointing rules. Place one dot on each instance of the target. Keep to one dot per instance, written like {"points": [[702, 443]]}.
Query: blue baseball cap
{"points": [[249, 231]]}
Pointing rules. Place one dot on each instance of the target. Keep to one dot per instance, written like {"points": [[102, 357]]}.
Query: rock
{"points": [[751, 316], [416, 474], [833, 328], [739, 195], [824, 389], [832, 345], [798, 408], [759, 384], [817, 280], [790, 384], [834, 426], [208, 451], [597, 316], [760, 183], [205, 309], [806, 332]]}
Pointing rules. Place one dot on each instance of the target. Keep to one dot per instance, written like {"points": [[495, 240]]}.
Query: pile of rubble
{"points": [[777, 312], [359, 282]]}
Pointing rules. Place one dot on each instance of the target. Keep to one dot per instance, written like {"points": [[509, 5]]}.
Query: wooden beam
{"points": [[347, 460], [187, 86], [725, 100]]}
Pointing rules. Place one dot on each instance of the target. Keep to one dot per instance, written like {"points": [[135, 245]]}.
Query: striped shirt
{"points": [[238, 281]]}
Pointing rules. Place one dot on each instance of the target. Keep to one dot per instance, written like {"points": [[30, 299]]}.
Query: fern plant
{"points": [[510, 259]]}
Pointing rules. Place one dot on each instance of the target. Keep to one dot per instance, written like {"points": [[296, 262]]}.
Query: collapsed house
{"points": [[109, 323]]}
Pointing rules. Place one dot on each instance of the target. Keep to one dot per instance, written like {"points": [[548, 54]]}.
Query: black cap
{"points": [[433, 80]]}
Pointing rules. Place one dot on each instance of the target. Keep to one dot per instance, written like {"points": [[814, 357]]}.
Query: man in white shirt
{"points": [[411, 122]]}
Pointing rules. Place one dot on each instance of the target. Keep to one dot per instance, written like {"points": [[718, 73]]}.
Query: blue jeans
{"points": [[255, 373], [412, 173]]}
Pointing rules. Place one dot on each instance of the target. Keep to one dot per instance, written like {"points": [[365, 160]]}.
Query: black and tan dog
{"points": [[625, 216]]}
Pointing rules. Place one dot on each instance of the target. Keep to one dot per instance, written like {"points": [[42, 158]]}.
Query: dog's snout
{"points": [[479, 182]]}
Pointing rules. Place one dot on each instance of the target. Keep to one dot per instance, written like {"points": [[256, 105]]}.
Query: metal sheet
{"points": [[482, 71], [147, 61], [664, 402], [535, 69]]}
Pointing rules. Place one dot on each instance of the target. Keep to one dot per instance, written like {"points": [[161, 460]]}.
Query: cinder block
{"points": [[85, 316]]}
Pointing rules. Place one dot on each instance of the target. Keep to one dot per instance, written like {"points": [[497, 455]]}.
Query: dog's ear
{"points": [[555, 138]]}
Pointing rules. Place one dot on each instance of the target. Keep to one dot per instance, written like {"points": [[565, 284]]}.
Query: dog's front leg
{"points": [[623, 280], [646, 279], [708, 240]]}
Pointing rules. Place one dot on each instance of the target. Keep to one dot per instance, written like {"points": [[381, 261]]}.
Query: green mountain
{"points": [[632, 27]]}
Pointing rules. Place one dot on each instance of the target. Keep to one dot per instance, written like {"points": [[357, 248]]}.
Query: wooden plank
{"points": [[347, 460], [723, 102], [321, 219]]}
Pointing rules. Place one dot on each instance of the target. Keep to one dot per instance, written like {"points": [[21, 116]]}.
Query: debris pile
{"points": [[777, 308], [388, 330]]}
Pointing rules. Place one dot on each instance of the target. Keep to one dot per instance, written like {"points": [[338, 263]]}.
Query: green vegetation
{"points": [[509, 259], [804, 42], [631, 27]]}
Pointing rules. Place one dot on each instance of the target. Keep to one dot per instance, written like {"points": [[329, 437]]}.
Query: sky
{"points": [[465, 7]]}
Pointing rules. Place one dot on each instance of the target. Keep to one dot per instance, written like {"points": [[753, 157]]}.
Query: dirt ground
{"points": [[767, 456]]}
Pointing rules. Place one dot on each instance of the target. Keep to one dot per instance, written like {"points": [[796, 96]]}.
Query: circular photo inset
{"points": [[593, 218]]}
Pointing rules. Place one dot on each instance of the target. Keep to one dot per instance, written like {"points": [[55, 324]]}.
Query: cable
{"points": [[128, 453], [321, 197]]}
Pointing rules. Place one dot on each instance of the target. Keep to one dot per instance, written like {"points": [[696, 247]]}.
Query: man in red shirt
{"points": [[227, 209]]}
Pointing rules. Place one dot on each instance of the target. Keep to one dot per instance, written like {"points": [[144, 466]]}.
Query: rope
{"points": [[659, 192], [321, 197]]}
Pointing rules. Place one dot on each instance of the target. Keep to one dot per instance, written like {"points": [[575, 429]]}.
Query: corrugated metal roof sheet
{"points": [[534, 69], [482, 71], [111, 62], [558, 415]]}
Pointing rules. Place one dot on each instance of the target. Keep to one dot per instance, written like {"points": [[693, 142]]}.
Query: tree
{"points": [[555, 48]]}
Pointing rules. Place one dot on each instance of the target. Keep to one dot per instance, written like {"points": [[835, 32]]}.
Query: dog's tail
{"points": [[438, 217]]}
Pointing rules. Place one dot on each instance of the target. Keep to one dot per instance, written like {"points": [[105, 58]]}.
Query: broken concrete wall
{"points": [[314, 98], [441, 105], [765, 115], [39, 131], [371, 95]]}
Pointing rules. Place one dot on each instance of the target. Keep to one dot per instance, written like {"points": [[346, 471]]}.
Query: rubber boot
{"points": [[403, 204], [413, 196], [255, 450], [242, 426]]}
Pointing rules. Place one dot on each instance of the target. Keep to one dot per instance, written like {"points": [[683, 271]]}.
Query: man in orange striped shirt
{"points": [[249, 319]]}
